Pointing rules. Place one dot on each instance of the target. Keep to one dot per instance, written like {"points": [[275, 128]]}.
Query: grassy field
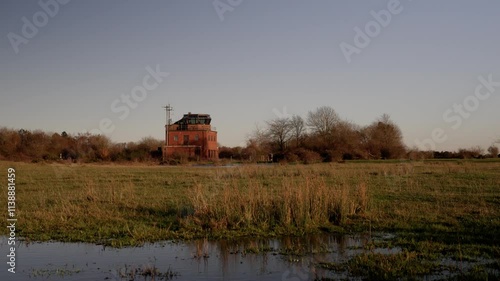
{"points": [[434, 207]]}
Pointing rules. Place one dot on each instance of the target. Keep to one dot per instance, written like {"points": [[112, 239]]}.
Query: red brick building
{"points": [[191, 136]]}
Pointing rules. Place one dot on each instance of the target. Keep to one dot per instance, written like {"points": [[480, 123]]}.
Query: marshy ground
{"points": [[434, 211]]}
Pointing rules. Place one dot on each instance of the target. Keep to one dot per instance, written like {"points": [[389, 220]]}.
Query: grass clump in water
{"points": [[390, 266]]}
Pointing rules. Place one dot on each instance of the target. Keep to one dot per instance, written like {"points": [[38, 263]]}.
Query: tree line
{"points": [[323, 136], [25, 145], [320, 137]]}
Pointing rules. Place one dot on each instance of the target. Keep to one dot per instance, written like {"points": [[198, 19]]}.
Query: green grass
{"points": [[451, 202], [386, 267], [438, 210]]}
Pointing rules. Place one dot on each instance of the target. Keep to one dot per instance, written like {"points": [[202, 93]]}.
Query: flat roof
{"points": [[195, 118]]}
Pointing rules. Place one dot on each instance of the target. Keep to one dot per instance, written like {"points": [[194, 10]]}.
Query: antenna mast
{"points": [[168, 109]]}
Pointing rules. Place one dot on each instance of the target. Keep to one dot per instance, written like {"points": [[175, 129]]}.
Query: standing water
{"points": [[289, 258]]}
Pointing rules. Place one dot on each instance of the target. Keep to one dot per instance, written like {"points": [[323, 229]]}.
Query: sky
{"points": [[110, 66]]}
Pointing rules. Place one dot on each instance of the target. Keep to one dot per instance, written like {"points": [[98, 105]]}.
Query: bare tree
{"points": [[99, 145], [322, 120], [10, 141], [280, 131], [257, 144], [258, 136], [346, 139], [383, 139], [298, 128], [472, 152], [493, 151], [150, 143]]}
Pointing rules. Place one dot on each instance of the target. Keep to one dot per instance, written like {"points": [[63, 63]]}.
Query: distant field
{"points": [[455, 202]]}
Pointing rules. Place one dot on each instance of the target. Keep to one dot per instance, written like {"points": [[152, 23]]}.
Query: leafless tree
{"points": [[150, 143], [298, 128], [258, 136], [472, 152], [257, 144], [346, 139], [493, 151], [280, 130], [383, 139], [99, 145], [10, 140], [322, 120]]}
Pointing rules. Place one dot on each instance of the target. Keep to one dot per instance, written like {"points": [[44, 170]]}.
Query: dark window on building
{"points": [[196, 137], [186, 139], [176, 138]]}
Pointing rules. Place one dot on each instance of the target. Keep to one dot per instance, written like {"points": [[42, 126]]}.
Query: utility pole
{"points": [[168, 109]]}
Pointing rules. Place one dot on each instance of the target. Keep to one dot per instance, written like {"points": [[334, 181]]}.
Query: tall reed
{"points": [[290, 202]]}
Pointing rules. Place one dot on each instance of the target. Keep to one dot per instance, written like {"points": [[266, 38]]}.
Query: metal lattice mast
{"points": [[168, 109]]}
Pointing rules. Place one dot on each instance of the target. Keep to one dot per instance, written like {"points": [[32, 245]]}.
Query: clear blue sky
{"points": [[263, 56]]}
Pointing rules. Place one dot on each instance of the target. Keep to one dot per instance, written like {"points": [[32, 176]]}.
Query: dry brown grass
{"points": [[133, 204], [295, 199]]}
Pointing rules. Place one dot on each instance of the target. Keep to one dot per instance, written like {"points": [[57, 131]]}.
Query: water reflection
{"points": [[289, 258]]}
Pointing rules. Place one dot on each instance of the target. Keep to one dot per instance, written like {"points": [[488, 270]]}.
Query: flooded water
{"points": [[286, 259], [278, 259]]}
